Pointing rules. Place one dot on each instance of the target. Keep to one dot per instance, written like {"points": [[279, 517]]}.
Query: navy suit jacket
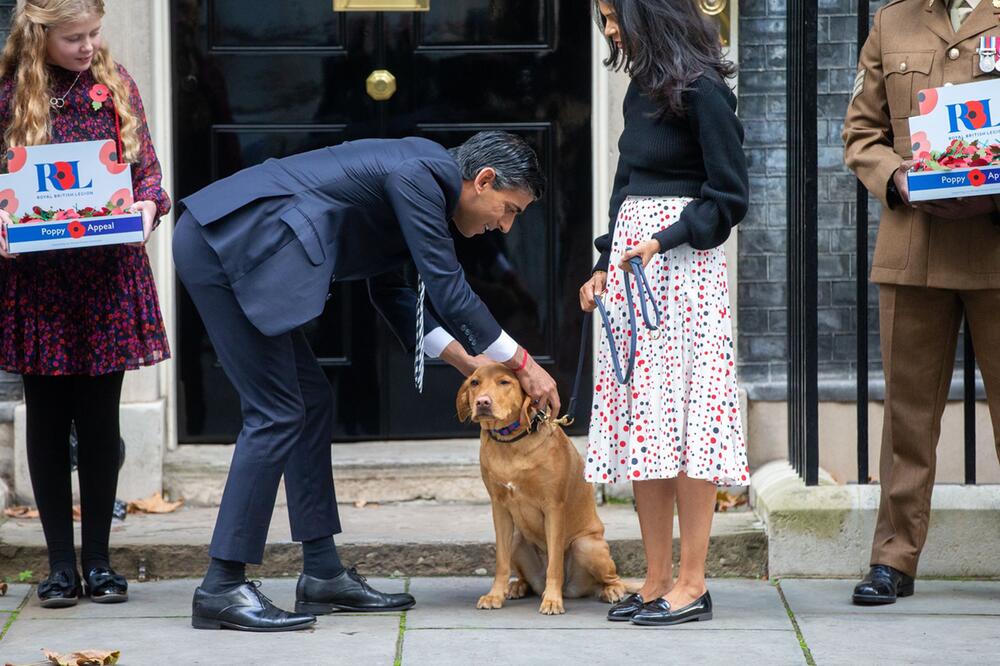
{"points": [[285, 229]]}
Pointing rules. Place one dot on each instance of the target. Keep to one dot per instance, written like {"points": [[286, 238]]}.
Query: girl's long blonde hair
{"points": [[24, 58]]}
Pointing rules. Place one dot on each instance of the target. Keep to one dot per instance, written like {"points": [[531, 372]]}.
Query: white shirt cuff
{"points": [[502, 349], [436, 341]]}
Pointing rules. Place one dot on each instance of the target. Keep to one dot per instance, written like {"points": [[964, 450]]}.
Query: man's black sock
{"points": [[320, 558]]}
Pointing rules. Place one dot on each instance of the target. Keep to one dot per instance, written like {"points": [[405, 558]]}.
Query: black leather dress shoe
{"points": [[60, 590], [882, 585], [244, 608], [348, 592], [657, 613], [626, 608], [104, 586]]}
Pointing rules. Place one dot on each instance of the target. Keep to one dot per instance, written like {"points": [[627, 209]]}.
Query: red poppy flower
{"points": [[64, 175], [8, 201], [15, 159], [975, 113], [99, 93], [920, 145], [927, 99], [121, 199], [76, 230], [976, 177], [110, 158]]}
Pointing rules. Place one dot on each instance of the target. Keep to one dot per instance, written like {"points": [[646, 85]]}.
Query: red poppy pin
{"points": [[99, 94], [977, 177]]}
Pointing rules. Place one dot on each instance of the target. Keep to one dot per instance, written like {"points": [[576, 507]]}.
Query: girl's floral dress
{"points": [[88, 311]]}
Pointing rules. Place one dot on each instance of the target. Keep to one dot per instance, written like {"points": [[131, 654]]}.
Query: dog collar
{"points": [[508, 430]]}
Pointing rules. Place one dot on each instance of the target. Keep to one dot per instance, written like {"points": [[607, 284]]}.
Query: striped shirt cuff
{"points": [[502, 349], [436, 341]]}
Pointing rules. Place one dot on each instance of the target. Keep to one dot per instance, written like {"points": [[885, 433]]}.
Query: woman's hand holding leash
{"points": [[5, 221], [592, 288], [645, 251]]}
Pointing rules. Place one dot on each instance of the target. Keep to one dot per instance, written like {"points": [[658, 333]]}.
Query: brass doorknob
{"points": [[381, 85]]}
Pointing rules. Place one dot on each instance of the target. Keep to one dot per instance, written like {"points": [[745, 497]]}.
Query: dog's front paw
{"points": [[518, 589], [551, 605], [490, 601], [614, 592]]}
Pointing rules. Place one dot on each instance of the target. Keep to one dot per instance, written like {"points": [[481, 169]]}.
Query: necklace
{"points": [[60, 102]]}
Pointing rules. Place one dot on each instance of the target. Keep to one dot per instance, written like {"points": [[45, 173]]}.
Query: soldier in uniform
{"points": [[934, 262]]}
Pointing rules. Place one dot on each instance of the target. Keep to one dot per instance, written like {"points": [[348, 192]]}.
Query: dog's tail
{"points": [[632, 586]]}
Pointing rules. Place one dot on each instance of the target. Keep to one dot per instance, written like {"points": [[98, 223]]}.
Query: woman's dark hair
{"points": [[513, 160], [666, 46]]}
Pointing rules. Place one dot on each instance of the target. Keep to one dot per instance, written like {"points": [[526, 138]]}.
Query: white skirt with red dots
{"points": [[680, 411]]}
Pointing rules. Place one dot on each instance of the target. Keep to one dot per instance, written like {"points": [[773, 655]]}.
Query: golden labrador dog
{"points": [[544, 513]]}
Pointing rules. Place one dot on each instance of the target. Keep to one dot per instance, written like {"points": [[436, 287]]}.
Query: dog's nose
{"points": [[484, 402]]}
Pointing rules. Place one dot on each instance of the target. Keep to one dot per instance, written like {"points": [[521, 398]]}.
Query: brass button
{"points": [[953, 54], [902, 66]]}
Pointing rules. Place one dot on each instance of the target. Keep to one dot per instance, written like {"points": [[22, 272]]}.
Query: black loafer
{"points": [[244, 608], [104, 586], [657, 613], [60, 590], [626, 608], [349, 592], [882, 585]]}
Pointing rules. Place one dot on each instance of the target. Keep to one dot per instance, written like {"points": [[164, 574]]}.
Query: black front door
{"points": [[259, 79]]}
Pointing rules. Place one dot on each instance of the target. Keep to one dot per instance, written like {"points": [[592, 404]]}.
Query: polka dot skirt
{"points": [[680, 412]]}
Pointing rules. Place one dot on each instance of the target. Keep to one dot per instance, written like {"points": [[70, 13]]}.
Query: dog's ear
{"points": [[528, 410], [462, 406]]}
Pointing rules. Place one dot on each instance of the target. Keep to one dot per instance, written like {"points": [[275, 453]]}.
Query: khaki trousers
{"points": [[920, 329]]}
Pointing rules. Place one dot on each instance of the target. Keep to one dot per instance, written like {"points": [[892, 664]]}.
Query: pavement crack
{"points": [[806, 652], [402, 628]]}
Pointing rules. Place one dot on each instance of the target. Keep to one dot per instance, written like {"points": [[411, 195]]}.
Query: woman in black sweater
{"points": [[674, 429]]}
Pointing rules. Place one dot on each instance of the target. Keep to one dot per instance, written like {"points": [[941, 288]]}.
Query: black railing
{"points": [[802, 254], [802, 248]]}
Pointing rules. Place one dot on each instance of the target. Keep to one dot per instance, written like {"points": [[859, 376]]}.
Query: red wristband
{"points": [[524, 362]]}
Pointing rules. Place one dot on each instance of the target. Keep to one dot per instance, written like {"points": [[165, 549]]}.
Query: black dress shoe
{"points": [[60, 590], [626, 608], [657, 613], [348, 592], [882, 585], [244, 608], [104, 586]]}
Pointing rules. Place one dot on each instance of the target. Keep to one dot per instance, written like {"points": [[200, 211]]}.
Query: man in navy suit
{"points": [[257, 252]]}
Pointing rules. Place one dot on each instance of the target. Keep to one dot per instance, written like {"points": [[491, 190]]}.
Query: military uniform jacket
{"points": [[913, 46]]}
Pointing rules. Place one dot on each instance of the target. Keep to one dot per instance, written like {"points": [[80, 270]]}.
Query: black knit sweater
{"points": [[699, 155]]}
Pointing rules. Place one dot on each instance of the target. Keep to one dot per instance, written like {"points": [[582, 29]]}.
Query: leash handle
{"points": [[645, 294]]}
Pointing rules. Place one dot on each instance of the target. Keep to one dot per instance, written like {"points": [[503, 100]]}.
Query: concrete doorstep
{"points": [[414, 538]]}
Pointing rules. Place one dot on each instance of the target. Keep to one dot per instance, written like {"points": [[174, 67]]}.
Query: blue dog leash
{"points": [[645, 294]]}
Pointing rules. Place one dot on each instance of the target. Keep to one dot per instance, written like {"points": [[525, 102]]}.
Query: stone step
{"points": [[420, 538], [442, 470]]}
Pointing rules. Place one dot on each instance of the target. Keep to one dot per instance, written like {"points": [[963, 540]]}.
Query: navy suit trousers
{"points": [[287, 413]]}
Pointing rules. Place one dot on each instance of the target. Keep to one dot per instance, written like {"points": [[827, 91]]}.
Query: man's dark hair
{"points": [[513, 160]]}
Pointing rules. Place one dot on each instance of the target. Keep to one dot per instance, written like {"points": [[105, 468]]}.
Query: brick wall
{"points": [[763, 345]]}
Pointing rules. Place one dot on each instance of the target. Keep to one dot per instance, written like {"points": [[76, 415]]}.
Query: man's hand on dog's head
{"points": [[536, 382]]}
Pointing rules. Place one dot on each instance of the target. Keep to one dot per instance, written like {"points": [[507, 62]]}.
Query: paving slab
{"points": [[855, 640], [171, 598], [344, 640], [618, 644], [451, 603], [933, 597], [15, 595]]}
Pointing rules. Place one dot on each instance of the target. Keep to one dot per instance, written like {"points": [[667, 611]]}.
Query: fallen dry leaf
{"points": [[725, 501], [83, 657], [154, 504], [20, 512]]}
